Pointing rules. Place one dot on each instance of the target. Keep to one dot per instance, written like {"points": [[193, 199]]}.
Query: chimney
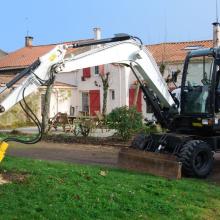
{"points": [[216, 34], [28, 41], [97, 33]]}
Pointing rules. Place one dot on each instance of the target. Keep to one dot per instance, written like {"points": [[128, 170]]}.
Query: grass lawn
{"points": [[52, 190]]}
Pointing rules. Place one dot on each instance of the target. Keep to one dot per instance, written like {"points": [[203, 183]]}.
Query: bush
{"points": [[126, 121]]}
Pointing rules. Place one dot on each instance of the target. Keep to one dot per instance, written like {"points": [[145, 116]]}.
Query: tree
{"points": [[105, 86]]}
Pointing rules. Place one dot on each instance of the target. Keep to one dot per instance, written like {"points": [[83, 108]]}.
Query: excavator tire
{"points": [[197, 158], [139, 142]]}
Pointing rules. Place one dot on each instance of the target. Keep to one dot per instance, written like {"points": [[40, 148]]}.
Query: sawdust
{"points": [[10, 177], [3, 180]]}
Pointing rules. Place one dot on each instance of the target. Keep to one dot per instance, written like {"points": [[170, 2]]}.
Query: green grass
{"points": [[55, 190]]}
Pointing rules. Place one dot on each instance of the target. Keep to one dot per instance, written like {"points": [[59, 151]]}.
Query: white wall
{"points": [[118, 81], [60, 101]]}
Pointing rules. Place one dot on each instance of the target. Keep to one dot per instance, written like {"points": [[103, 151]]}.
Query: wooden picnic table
{"points": [[82, 124]]}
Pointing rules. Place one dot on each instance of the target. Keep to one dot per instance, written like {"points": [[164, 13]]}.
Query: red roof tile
{"points": [[27, 55], [23, 57], [175, 52]]}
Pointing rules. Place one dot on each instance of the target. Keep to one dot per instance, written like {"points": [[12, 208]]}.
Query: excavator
{"points": [[190, 115]]}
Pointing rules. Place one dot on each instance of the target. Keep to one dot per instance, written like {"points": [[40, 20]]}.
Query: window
{"points": [[100, 69], [113, 94], [96, 70], [87, 72], [85, 102], [193, 47], [199, 73], [197, 86]]}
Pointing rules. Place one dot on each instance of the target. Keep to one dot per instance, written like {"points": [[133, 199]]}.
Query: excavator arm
{"points": [[122, 49]]}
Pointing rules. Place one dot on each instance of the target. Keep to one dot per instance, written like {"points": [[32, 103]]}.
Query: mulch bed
{"points": [[110, 141]]}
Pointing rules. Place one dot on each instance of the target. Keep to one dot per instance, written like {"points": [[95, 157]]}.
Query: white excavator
{"points": [[190, 114]]}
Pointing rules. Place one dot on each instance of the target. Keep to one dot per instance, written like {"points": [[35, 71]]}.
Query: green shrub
{"points": [[125, 120]]}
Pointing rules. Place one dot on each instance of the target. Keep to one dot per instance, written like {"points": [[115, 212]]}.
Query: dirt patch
{"points": [[75, 153], [12, 177]]}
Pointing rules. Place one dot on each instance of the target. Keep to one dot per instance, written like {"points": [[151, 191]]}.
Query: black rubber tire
{"points": [[139, 142], [197, 159]]}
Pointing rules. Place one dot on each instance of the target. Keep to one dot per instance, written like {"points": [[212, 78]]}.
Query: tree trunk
{"points": [[46, 109], [105, 85], [105, 95]]}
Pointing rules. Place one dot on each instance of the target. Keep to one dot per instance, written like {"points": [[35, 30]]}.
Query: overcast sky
{"points": [[154, 21]]}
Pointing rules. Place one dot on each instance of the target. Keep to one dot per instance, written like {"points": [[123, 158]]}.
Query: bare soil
{"points": [[76, 153], [9, 177], [83, 153]]}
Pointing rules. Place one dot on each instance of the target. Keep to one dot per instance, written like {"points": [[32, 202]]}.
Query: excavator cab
{"points": [[200, 93]]}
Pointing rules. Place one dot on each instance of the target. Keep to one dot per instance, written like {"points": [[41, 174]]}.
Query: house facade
{"points": [[87, 95]]}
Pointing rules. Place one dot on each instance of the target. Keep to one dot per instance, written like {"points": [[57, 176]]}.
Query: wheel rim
{"points": [[201, 160]]}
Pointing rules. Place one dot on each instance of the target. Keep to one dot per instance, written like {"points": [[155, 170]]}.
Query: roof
{"points": [[27, 55], [23, 57], [6, 78], [176, 51]]}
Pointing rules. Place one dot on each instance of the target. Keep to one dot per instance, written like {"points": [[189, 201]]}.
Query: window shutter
{"points": [[87, 72]]}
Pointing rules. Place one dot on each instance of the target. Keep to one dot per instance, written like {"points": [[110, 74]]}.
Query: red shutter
{"points": [[94, 101], [139, 100], [87, 72]]}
